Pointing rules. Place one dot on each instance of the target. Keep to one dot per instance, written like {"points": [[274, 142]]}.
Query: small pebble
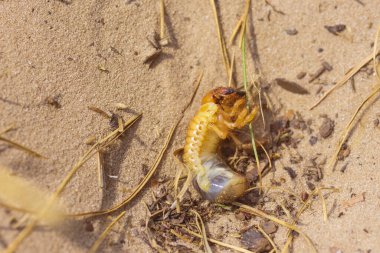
{"points": [[89, 227], [255, 241], [301, 75], [376, 122], [291, 32], [344, 152], [114, 121], [54, 101], [240, 216], [269, 227], [310, 185], [304, 196], [326, 128], [335, 29], [291, 172], [344, 167], [313, 140]]}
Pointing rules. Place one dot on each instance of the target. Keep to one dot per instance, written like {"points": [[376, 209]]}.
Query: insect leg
{"points": [[221, 134], [236, 107], [243, 119]]}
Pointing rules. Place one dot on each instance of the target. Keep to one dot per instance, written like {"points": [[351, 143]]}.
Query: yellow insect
{"points": [[223, 109]]}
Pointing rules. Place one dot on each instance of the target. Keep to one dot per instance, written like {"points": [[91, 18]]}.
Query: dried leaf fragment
{"points": [[255, 241], [353, 201], [105, 114], [335, 29], [291, 86], [327, 127]]}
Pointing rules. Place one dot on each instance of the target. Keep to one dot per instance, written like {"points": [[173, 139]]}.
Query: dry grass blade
{"points": [[21, 195], [151, 240], [177, 177], [285, 249], [324, 207], [260, 100], [7, 129], [105, 114], [244, 22], [100, 169], [239, 249], [236, 31], [33, 222], [202, 230], [241, 25], [120, 124], [140, 186], [222, 44], [185, 186], [349, 127], [101, 238], [231, 72], [23, 148], [286, 211], [375, 52], [197, 84], [308, 201], [266, 154], [261, 214], [345, 78], [180, 236], [268, 238], [162, 19], [289, 234]]}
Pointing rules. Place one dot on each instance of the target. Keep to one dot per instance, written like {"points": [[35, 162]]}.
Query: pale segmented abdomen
{"points": [[197, 132]]}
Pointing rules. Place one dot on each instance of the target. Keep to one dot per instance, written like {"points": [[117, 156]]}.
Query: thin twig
{"points": [[348, 129], [162, 19], [268, 238], [22, 147], [345, 78], [231, 71], [324, 207], [100, 169], [202, 230], [222, 44], [375, 45], [7, 129]]}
